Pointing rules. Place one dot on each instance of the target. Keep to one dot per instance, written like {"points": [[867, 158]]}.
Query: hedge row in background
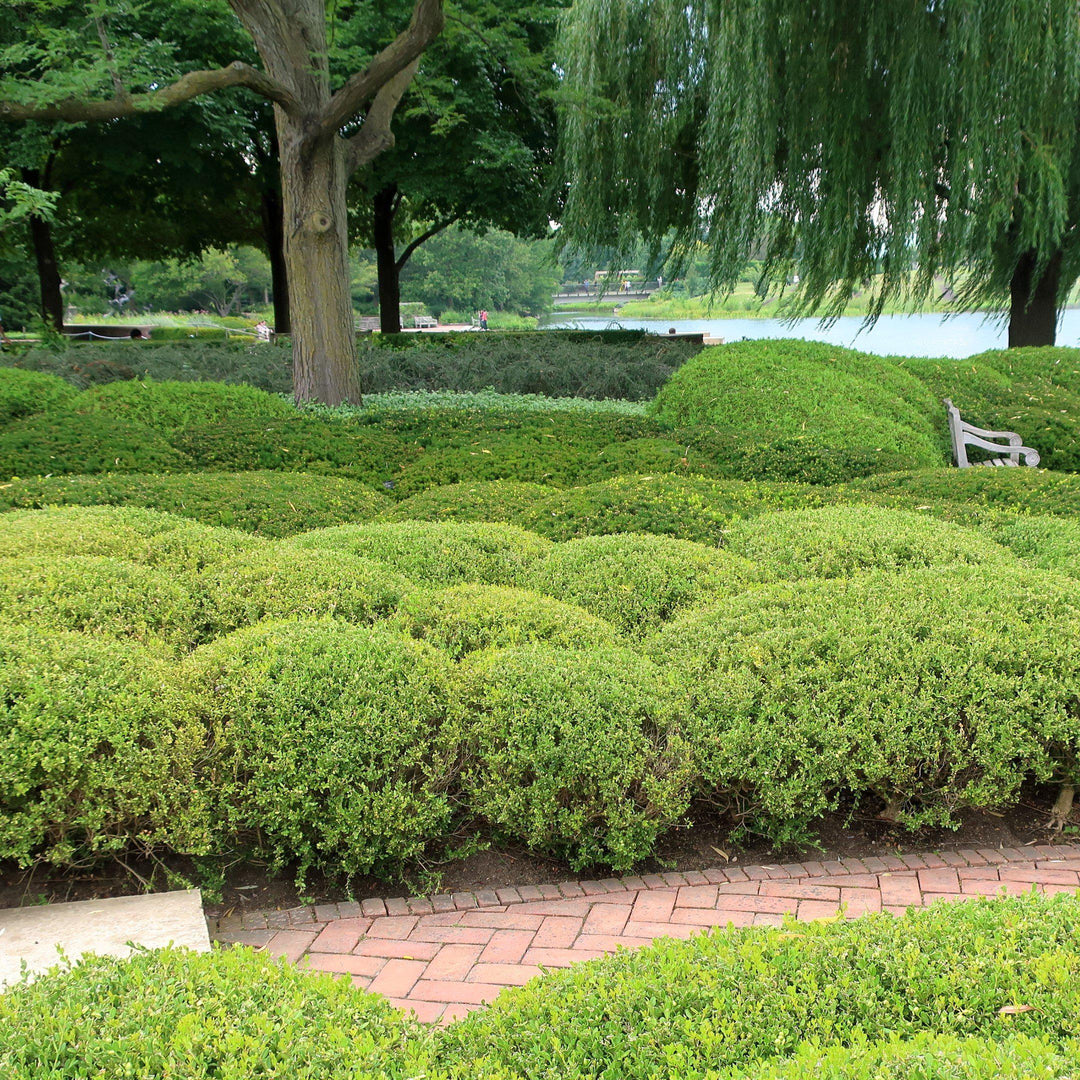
{"points": [[877, 998]]}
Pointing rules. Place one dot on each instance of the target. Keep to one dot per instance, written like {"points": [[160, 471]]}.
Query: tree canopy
{"points": [[904, 139]]}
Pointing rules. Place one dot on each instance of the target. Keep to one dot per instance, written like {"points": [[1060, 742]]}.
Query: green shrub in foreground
{"points": [[231, 1015], [437, 553], [73, 442], [169, 406], [328, 742], [468, 618], [573, 752], [744, 999], [270, 503], [636, 581], [507, 501], [23, 393], [98, 595], [838, 540], [277, 582], [928, 691], [1052, 543], [97, 751]]}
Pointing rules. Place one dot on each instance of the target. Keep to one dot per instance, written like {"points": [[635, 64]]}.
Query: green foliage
{"points": [[328, 742], [926, 691], [747, 999], [23, 393], [279, 581], [764, 398], [468, 618], [98, 595], [226, 1015], [1052, 543], [510, 501], [837, 541], [437, 553], [406, 400], [269, 503], [636, 581], [171, 406], [97, 748], [575, 753], [71, 442]]}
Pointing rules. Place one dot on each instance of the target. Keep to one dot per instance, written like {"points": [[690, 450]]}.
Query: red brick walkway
{"points": [[443, 956]]}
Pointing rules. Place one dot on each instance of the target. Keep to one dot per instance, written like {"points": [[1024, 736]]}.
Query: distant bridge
{"points": [[575, 292]]}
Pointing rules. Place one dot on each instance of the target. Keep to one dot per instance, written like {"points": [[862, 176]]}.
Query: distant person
{"points": [[671, 330], [4, 339], [585, 285], [136, 334], [483, 319], [262, 329]]}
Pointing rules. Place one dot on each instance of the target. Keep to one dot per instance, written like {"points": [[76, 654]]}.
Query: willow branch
{"points": [[375, 135], [192, 85], [401, 54]]}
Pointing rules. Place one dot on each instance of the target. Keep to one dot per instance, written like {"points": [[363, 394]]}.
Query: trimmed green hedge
{"points": [[269, 503], [924, 692], [23, 393], [72, 442], [467, 618], [328, 742], [97, 749], [574, 753], [637, 581], [437, 552], [1052, 543], [507, 501], [837, 541], [277, 582]]}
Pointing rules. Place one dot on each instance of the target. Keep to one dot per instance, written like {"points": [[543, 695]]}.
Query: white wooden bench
{"points": [[424, 322], [964, 435], [367, 323]]}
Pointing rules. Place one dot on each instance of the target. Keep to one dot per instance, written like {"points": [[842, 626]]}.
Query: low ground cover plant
{"points": [[23, 393], [1052, 543], [879, 998]]}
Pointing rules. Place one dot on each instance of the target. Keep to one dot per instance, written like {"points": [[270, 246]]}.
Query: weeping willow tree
{"points": [[867, 143]]}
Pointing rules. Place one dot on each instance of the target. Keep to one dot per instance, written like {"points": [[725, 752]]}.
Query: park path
{"points": [[443, 956]]}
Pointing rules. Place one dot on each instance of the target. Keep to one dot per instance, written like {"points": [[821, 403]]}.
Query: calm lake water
{"points": [[891, 335]]}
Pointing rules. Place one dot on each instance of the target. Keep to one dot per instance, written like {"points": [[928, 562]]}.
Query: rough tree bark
{"points": [[52, 299], [1034, 304], [316, 160], [274, 238]]}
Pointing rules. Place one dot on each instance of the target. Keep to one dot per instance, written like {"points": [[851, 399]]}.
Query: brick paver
{"points": [[443, 956]]}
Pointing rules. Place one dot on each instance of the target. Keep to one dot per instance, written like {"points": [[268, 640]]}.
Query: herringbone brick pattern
{"points": [[442, 956]]}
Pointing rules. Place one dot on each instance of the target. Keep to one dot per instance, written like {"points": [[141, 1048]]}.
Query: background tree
{"points": [[901, 139], [89, 70]]}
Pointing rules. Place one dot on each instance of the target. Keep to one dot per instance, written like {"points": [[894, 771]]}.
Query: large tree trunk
{"points": [[385, 206], [274, 234], [52, 299], [325, 366], [1033, 308]]}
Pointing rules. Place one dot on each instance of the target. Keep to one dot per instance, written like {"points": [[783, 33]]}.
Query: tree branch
{"points": [[375, 135], [402, 53], [192, 85], [422, 238]]}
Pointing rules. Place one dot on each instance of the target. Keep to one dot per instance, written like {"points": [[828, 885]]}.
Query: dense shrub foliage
{"points": [[328, 741], [97, 750], [1052, 543], [269, 503], [926, 691], [437, 553], [878, 998], [637, 581], [507, 501], [576, 753], [23, 393], [467, 618], [839, 540]]}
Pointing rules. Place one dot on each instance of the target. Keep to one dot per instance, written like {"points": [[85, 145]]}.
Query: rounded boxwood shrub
{"points": [[636, 581], [169, 406], [222, 1015], [23, 393], [277, 582], [1052, 543], [573, 752], [467, 618], [328, 740], [98, 595], [839, 540], [98, 747], [437, 552], [507, 501], [928, 691], [269, 503], [74, 442]]}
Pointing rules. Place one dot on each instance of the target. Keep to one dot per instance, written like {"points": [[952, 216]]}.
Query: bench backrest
{"points": [[964, 435]]}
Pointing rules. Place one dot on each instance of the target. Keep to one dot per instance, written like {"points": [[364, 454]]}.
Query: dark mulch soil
{"points": [[247, 886]]}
